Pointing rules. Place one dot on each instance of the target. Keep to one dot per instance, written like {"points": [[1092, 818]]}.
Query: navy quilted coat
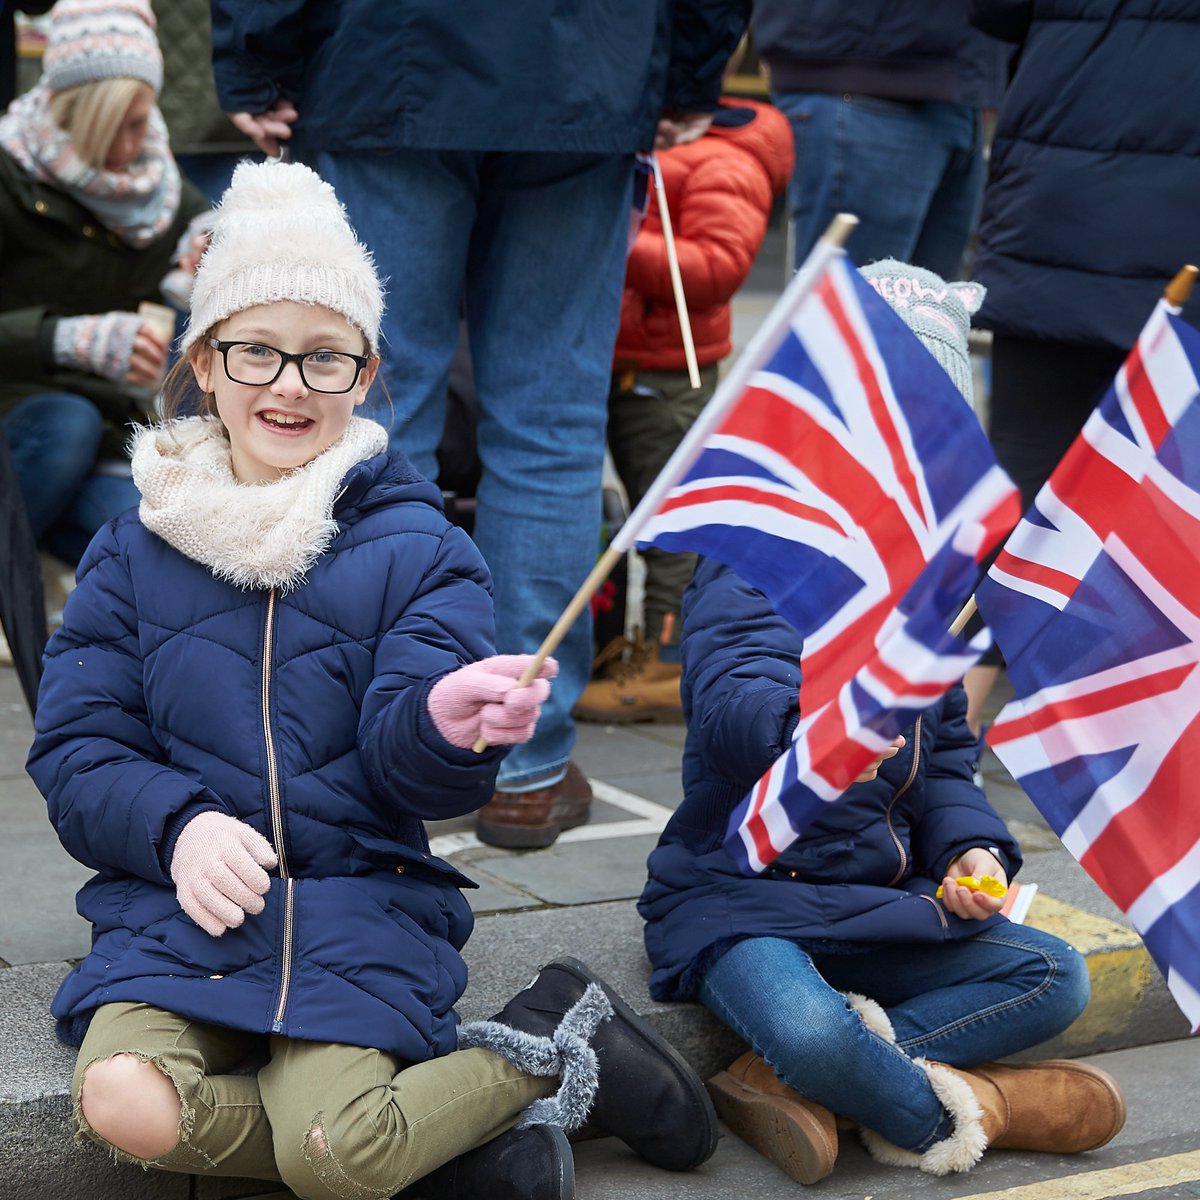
{"points": [[169, 692], [864, 873], [556, 75], [1091, 201]]}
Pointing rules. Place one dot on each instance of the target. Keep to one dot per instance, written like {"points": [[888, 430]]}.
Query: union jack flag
{"points": [[1095, 601], [845, 478]]}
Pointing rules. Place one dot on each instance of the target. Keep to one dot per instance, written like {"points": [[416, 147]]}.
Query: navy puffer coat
{"points": [[169, 692], [864, 873], [1091, 200], [475, 74]]}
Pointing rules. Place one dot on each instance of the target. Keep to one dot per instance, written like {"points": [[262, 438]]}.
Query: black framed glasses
{"points": [[254, 364]]}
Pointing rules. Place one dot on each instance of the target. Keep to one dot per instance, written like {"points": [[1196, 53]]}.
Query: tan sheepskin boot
{"points": [[1057, 1106], [798, 1135]]}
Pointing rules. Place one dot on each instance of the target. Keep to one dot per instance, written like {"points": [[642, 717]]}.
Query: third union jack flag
{"points": [[851, 484], [1095, 601]]}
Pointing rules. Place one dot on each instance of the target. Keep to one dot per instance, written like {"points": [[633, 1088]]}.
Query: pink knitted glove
{"points": [[101, 343], [218, 871], [483, 700]]}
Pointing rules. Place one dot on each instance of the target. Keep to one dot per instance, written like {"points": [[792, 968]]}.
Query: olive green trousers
{"points": [[646, 423], [332, 1122]]}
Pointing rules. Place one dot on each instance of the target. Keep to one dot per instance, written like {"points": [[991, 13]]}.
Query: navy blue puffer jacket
{"points": [[475, 74], [169, 692], [864, 873], [1091, 201]]}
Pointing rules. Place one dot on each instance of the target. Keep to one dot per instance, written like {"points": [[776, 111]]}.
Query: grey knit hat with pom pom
{"points": [[280, 233], [939, 313]]}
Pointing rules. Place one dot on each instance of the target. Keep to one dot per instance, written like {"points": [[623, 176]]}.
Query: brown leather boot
{"points": [[636, 685], [798, 1135], [1057, 1106], [533, 820]]}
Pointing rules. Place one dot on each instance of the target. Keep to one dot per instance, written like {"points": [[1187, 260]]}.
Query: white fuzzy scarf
{"points": [[253, 535]]}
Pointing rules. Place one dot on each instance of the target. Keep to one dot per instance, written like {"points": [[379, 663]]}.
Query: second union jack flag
{"points": [[851, 484], [1095, 602]]}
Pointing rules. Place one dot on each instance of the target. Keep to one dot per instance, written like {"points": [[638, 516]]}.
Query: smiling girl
{"points": [[269, 675]]}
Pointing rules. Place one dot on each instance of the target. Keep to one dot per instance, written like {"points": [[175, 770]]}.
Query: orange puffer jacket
{"points": [[720, 191]]}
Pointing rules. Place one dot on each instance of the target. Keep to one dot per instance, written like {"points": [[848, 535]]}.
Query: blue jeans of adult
{"points": [[961, 1003], [53, 439], [531, 248], [911, 172]]}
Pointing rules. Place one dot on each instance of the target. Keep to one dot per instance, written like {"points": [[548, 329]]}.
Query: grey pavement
{"points": [[575, 898]]}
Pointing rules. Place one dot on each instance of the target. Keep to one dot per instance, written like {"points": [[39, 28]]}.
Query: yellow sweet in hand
{"points": [[988, 884]]}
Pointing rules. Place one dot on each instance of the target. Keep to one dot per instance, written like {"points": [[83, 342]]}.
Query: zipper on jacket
{"points": [[276, 804], [937, 908], [912, 774]]}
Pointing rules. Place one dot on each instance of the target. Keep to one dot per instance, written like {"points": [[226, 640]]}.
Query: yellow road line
{"points": [[1129, 1180]]}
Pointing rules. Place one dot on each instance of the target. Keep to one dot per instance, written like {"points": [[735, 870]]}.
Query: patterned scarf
{"points": [[138, 204]]}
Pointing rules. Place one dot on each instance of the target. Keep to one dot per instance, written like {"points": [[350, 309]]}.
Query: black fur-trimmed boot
{"points": [[647, 1095], [523, 1164]]}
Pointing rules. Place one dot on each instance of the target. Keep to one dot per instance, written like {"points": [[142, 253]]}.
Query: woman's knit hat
{"points": [[101, 39], [939, 313], [280, 233]]}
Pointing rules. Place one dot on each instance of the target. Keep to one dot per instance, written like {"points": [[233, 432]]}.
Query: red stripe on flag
{"points": [[755, 826], [900, 684], [1032, 572], [1160, 683], [1145, 399], [878, 406], [1149, 837], [765, 417], [751, 495]]}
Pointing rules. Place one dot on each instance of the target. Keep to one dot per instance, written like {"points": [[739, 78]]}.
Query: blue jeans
{"points": [[532, 248], [911, 173], [53, 439], [961, 1003]]}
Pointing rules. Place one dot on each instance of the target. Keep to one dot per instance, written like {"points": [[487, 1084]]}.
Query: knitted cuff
{"points": [[101, 343]]}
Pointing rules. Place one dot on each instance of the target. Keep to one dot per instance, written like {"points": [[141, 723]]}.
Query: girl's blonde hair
{"points": [[91, 113], [181, 393]]}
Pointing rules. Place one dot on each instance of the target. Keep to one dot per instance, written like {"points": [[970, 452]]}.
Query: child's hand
{"points": [[872, 769], [962, 901], [218, 871], [482, 700]]}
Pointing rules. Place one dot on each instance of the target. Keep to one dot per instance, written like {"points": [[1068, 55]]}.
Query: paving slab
{"points": [[578, 873]]}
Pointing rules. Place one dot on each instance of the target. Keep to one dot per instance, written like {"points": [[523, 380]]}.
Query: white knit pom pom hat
{"points": [[280, 233]]}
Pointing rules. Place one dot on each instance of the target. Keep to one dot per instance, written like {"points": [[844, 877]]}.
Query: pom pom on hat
{"points": [[939, 313], [101, 39], [280, 233]]}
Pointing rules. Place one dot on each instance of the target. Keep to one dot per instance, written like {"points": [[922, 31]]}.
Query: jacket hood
{"points": [[766, 135]]}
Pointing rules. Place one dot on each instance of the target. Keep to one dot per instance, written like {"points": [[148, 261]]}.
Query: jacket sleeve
{"points": [[723, 208], [116, 804], [704, 33], [957, 815], [447, 623], [741, 666], [257, 52]]}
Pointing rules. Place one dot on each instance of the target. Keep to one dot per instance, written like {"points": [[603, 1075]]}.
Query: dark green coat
{"points": [[57, 260]]}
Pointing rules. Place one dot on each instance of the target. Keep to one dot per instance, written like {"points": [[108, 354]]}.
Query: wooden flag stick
{"points": [[968, 611], [685, 323], [1180, 288], [600, 572]]}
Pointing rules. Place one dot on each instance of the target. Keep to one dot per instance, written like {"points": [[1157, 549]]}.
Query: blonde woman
{"points": [[93, 214]]}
